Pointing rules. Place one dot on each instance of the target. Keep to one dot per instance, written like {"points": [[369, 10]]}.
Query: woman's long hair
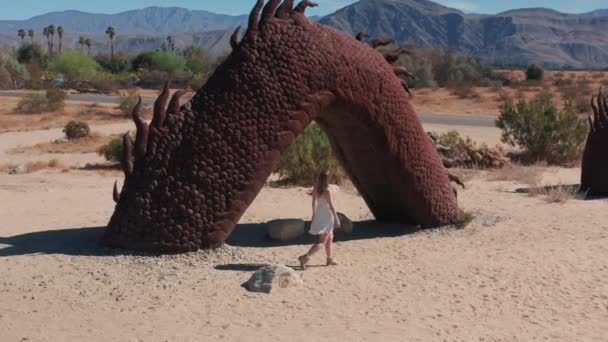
{"points": [[322, 183]]}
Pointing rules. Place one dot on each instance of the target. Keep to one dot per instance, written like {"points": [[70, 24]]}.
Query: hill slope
{"points": [[149, 20], [514, 37]]}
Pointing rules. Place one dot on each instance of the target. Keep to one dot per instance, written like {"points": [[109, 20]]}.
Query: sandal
{"points": [[304, 259], [331, 262]]}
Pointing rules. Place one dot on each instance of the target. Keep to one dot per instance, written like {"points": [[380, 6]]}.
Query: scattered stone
{"points": [[287, 229], [21, 169], [271, 276]]}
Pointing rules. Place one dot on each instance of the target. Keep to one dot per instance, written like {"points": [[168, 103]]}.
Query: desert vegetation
{"points": [[543, 131]]}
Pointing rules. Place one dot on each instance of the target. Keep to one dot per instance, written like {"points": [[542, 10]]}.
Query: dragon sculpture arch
{"points": [[193, 171]]}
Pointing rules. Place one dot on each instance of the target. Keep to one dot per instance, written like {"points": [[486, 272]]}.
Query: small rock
{"points": [[61, 141], [271, 276], [346, 225], [21, 169], [284, 230]]}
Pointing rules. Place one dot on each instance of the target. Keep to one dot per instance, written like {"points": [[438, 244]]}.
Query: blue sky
{"points": [[23, 9]]}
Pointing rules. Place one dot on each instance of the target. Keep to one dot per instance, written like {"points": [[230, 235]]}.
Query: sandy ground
{"points": [[524, 270]]}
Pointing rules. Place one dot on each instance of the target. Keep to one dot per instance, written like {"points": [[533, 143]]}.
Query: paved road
{"points": [[431, 118]]}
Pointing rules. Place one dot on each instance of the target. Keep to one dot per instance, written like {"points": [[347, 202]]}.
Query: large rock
{"points": [[273, 276], [346, 225], [287, 229]]}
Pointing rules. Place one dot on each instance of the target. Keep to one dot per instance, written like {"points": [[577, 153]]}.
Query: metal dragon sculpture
{"points": [[193, 171], [594, 176]]}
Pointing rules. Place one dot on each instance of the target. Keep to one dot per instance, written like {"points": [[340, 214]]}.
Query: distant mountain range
{"points": [[150, 20], [515, 37]]}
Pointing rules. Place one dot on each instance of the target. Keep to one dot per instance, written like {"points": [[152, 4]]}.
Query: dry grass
{"points": [[35, 166], [487, 100], [557, 194], [90, 144], [90, 113], [526, 175], [531, 177]]}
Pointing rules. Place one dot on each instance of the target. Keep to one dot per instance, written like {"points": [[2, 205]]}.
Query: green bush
{"points": [[55, 99], [535, 73], [31, 53], [434, 67], [159, 61], [112, 151], [52, 101], [32, 104], [75, 65], [309, 155], [12, 74], [542, 130], [76, 130], [116, 65]]}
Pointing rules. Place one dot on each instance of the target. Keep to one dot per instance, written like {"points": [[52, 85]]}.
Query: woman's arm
{"points": [[331, 206], [314, 202]]}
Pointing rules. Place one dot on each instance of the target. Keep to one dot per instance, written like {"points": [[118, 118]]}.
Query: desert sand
{"points": [[523, 270]]}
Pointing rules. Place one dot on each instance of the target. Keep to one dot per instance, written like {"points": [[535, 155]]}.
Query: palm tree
{"points": [[60, 35], [81, 42], [21, 34], [88, 43], [30, 33], [52, 33], [111, 32], [46, 33]]}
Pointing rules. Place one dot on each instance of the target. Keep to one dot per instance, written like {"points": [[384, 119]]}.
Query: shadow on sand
{"points": [[254, 235], [75, 241], [83, 241]]}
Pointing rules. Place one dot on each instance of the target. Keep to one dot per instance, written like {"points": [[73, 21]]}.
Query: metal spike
{"points": [[159, 115], [127, 155], [234, 38], [174, 103], [253, 28], [269, 11], [361, 35], [301, 7], [285, 9], [115, 194]]}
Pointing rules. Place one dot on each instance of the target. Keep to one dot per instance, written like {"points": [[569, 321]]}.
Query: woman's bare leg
{"points": [[315, 248], [328, 250]]}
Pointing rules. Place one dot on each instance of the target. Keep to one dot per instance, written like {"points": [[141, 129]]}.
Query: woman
{"points": [[324, 220]]}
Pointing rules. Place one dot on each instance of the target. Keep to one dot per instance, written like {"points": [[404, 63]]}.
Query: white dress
{"points": [[323, 222]]}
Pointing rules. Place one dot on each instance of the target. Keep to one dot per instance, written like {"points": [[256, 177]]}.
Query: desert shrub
{"points": [[31, 53], [464, 219], [434, 67], [535, 73], [12, 74], [112, 151], [469, 154], [464, 91], [160, 61], [118, 64], [55, 99], [36, 103], [309, 155], [75, 65], [542, 130], [76, 130], [32, 104], [128, 101]]}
